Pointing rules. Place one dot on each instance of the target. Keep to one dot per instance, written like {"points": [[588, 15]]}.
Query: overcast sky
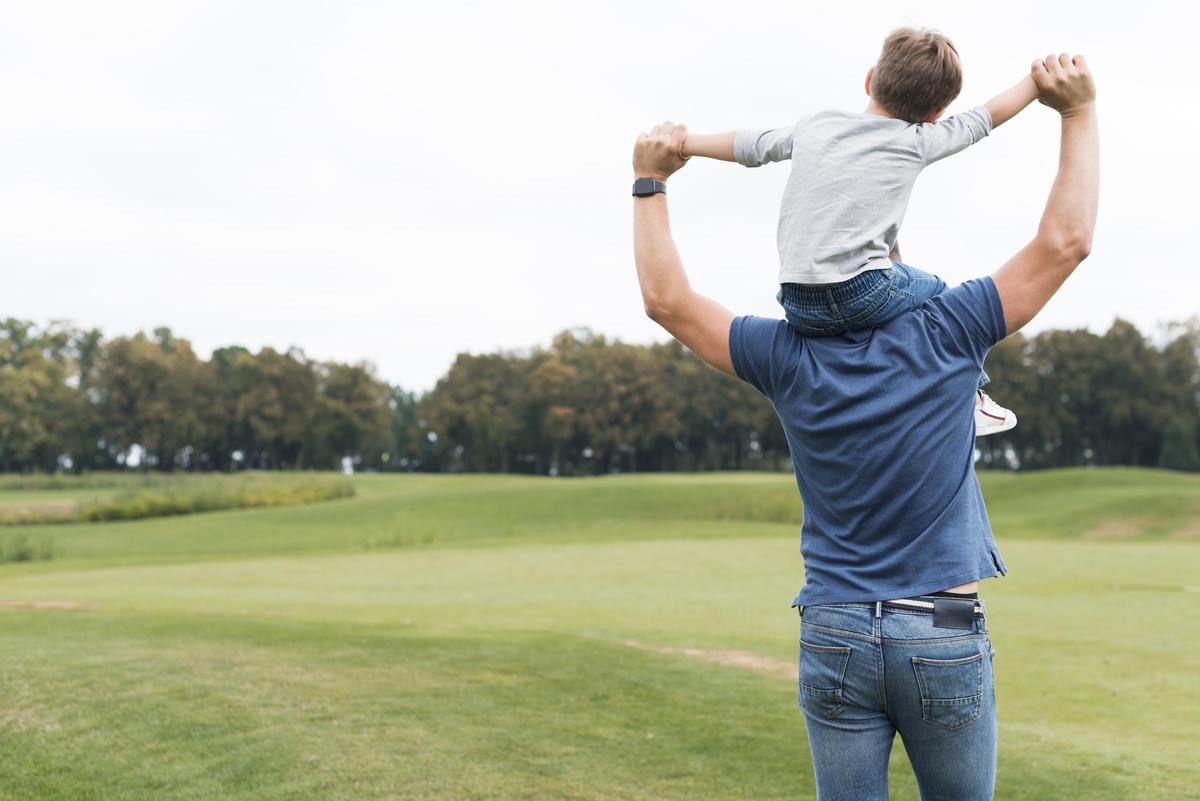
{"points": [[397, 182]]}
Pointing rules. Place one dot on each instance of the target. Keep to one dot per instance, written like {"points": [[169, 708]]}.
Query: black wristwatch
{"points": [[645, 187]]}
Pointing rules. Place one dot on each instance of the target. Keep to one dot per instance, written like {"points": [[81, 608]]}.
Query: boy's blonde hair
{"points": [[918, 73]]}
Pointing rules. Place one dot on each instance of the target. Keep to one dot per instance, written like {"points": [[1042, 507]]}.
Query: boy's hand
{"points": [[1064, 83], [659, 153]]}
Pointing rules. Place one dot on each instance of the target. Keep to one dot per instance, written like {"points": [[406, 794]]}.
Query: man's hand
{"points": [[1064, 83], [659, 153]]}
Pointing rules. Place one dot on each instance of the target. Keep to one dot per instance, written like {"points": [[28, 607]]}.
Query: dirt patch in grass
{"points": [[1189, 531], [14, 604], [1113, 530], [747, 660]]}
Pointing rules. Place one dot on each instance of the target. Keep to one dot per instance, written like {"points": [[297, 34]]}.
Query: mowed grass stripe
{"points": [[417, 511]]}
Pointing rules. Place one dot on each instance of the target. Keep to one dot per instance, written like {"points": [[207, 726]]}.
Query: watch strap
{"points": [[645, 187]]}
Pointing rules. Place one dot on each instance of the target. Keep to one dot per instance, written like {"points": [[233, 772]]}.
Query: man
{"points": [[895, 536]]}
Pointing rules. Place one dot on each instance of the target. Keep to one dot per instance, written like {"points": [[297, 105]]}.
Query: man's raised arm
{"points": [[702, 325], [1064, 237]]}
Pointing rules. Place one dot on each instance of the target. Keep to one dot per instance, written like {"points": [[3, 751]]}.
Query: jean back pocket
{"points": [[822, 673], [951, 690]]}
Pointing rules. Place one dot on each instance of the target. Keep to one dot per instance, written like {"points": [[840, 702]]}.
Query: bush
{"points": [[163, 495], [211, 495], [22, 548]]}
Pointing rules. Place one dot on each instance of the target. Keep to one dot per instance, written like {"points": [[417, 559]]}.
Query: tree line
{"points": [[72, 400]]}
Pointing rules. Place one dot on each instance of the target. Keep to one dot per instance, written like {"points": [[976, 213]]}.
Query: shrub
{"points": [[160, 496], [23, 548], [211, 494]]}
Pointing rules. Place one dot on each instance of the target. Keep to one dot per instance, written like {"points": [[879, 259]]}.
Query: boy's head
{"points": [[918, 74]]}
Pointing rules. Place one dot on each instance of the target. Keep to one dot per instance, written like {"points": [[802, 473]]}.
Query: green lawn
{"points": [[520, 638]]}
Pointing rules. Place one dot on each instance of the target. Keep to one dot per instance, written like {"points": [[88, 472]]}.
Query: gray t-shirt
{"points": [[852, 175]]}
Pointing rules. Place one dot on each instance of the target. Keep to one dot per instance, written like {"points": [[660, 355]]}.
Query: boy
{"points": [[852, 175]]}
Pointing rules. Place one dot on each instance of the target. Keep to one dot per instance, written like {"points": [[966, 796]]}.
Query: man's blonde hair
{"points": [[918, 73]]}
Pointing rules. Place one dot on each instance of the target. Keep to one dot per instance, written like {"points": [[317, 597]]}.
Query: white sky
{"points": [[398, 182]]}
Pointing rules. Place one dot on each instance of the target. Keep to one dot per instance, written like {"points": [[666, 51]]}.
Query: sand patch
{"points": [[746, 660], [42, 604], [1113, 530], [1188, 532]]}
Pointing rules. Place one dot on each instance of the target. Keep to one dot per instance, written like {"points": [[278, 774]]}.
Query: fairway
{"points": [[500, 637]]}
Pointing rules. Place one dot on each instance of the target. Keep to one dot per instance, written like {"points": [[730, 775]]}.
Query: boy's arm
{"points": [[954, 134], [748, 147], [1006, 105], [943, 138], [709, 146]]}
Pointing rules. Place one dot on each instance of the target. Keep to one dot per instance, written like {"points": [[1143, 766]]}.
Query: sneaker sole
{"points": [[1007, 425]]}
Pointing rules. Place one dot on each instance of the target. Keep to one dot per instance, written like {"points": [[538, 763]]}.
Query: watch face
{"points": [[644, 187]]}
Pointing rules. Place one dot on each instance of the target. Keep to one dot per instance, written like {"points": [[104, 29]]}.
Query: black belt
{"points": [[948, 613]]}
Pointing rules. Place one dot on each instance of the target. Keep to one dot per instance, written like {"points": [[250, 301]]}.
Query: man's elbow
{"points": [[1082, 247], [657, 311], [1071, 247], [661, 307], [1077, 247]]}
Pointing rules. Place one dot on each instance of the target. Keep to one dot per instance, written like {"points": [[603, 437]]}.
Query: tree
{"points": [[351, 418], [403, 408], [274, 408], [1179, 448]]}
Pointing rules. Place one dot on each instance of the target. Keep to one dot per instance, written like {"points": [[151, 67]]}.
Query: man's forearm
{"points": [[710, 146], [1006, 105], [1070, 216], [659, 268], [1064, 238], [699, 323]]}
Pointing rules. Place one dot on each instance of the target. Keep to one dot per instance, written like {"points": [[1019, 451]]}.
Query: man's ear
{"points": [[935, 115], [870, 76]]}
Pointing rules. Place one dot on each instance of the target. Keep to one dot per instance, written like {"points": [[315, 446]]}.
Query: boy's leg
{"points": [[918, 283], [923, 286]]}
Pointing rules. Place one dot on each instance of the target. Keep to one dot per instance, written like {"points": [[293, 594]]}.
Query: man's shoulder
{"points": [[758, 346], [751, 332], [970, 314], [973, 293]]}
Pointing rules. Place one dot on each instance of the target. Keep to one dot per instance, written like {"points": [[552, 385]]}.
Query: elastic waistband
{"points": [[843, 292]]}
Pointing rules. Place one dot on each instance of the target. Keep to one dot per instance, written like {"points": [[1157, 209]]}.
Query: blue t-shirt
{"points": [[881, 427]]}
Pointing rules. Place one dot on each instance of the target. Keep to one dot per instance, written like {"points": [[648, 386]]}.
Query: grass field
{"points": [[520, 638]]}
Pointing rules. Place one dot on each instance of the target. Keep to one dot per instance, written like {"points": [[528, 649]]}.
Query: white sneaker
{"points": [[991, 417]]}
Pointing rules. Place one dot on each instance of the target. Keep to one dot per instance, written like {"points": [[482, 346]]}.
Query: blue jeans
{"points": [[865, 301], [864, 677]]}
